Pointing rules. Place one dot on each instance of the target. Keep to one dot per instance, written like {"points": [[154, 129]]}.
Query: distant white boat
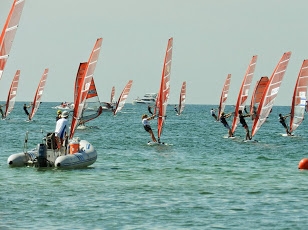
{"points": [[148, 98]]}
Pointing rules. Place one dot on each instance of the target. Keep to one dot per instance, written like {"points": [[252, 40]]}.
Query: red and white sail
{"points": [[182, 98], [224, 96], [163, 94], [10, 101], [257, 95], [84, 84], [299, 97], [93, 106], [38, 94], [270, 93], [122, 99], [112, 99], [9, 31], [244, 90]]}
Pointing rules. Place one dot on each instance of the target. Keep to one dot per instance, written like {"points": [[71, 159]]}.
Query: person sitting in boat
{"points": [[62, 129], [146, 125], [223, 120], [59, 112], [282, 120], [26, 110], [213, 114], [244, 124]]}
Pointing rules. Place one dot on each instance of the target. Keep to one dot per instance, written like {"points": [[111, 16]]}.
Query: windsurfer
{"points": [[1, 111], [282, 120], [244, 124], [146, 125], [62, 129], [176, 109], [26, 110], [213, 114], [225, 123]]}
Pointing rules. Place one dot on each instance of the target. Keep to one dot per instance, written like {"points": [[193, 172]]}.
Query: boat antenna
{"points": [[26, 142]]}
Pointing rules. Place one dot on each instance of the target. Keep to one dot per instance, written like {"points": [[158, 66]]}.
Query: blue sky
{"points": [[211, 39]]}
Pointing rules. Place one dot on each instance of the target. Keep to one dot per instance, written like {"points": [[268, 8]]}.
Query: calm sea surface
{"points": [[200, 181]]}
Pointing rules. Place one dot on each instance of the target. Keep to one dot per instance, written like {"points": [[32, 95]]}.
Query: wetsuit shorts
{"points": [[147, 128]]}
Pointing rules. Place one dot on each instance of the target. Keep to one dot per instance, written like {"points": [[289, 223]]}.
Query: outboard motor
{"points": [[42, 156]]}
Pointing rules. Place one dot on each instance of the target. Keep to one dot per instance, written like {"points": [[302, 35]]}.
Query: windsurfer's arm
{"points": [[152, 117]]}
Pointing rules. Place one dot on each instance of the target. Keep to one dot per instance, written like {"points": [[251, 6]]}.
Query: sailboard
{"points": [[257, 95], [243, 93], [224, 96], [85, 73], [270, 93], [122, 99], [299, 98], [10, 101], [182, 99], [164, 90], [38, 94], [8, 32]]}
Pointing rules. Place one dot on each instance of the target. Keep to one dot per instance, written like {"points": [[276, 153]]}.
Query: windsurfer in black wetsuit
{"points": [[26, 110], [282, 120], [244, 124], [225, 123]]}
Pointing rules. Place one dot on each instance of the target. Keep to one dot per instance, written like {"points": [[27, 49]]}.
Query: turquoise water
{"points": [[200, 181]]}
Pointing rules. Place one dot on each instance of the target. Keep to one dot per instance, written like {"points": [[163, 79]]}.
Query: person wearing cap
{"points": [[146, 125], [62, 129], [59, 112]]}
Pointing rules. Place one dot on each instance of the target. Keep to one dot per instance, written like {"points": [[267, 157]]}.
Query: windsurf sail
{"points": [[112, 99], [224, 96], [243, 93], [86, 73], [9, 31], [93, 107], [38, 94], [257, 95], [182, 98], [122, 99], [10, 101], [270, 93], [299, 97], [163, 94]]}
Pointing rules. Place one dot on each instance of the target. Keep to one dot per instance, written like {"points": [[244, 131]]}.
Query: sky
{"points": [[211, 38]]}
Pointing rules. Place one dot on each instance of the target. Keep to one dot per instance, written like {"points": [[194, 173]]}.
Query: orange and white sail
{"points": [[257, 95], [182, 98], [122, 99], [112, 99], [163, 94], [10, 101], [299, 97], [38, 94], [244, 90], [86, 74], [8, 32], [224, 96], [270, 93]]}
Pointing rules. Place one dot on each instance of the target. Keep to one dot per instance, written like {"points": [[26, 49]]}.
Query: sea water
{"points": [[201, 180]]}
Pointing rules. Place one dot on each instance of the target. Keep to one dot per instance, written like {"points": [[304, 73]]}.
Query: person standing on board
{"points": [[223, 120], [26, 110], [213, 114], [59, 112], [176, 109], [62, 129], [282, 120], [244, 124], [146, 125], [1, 111]]}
